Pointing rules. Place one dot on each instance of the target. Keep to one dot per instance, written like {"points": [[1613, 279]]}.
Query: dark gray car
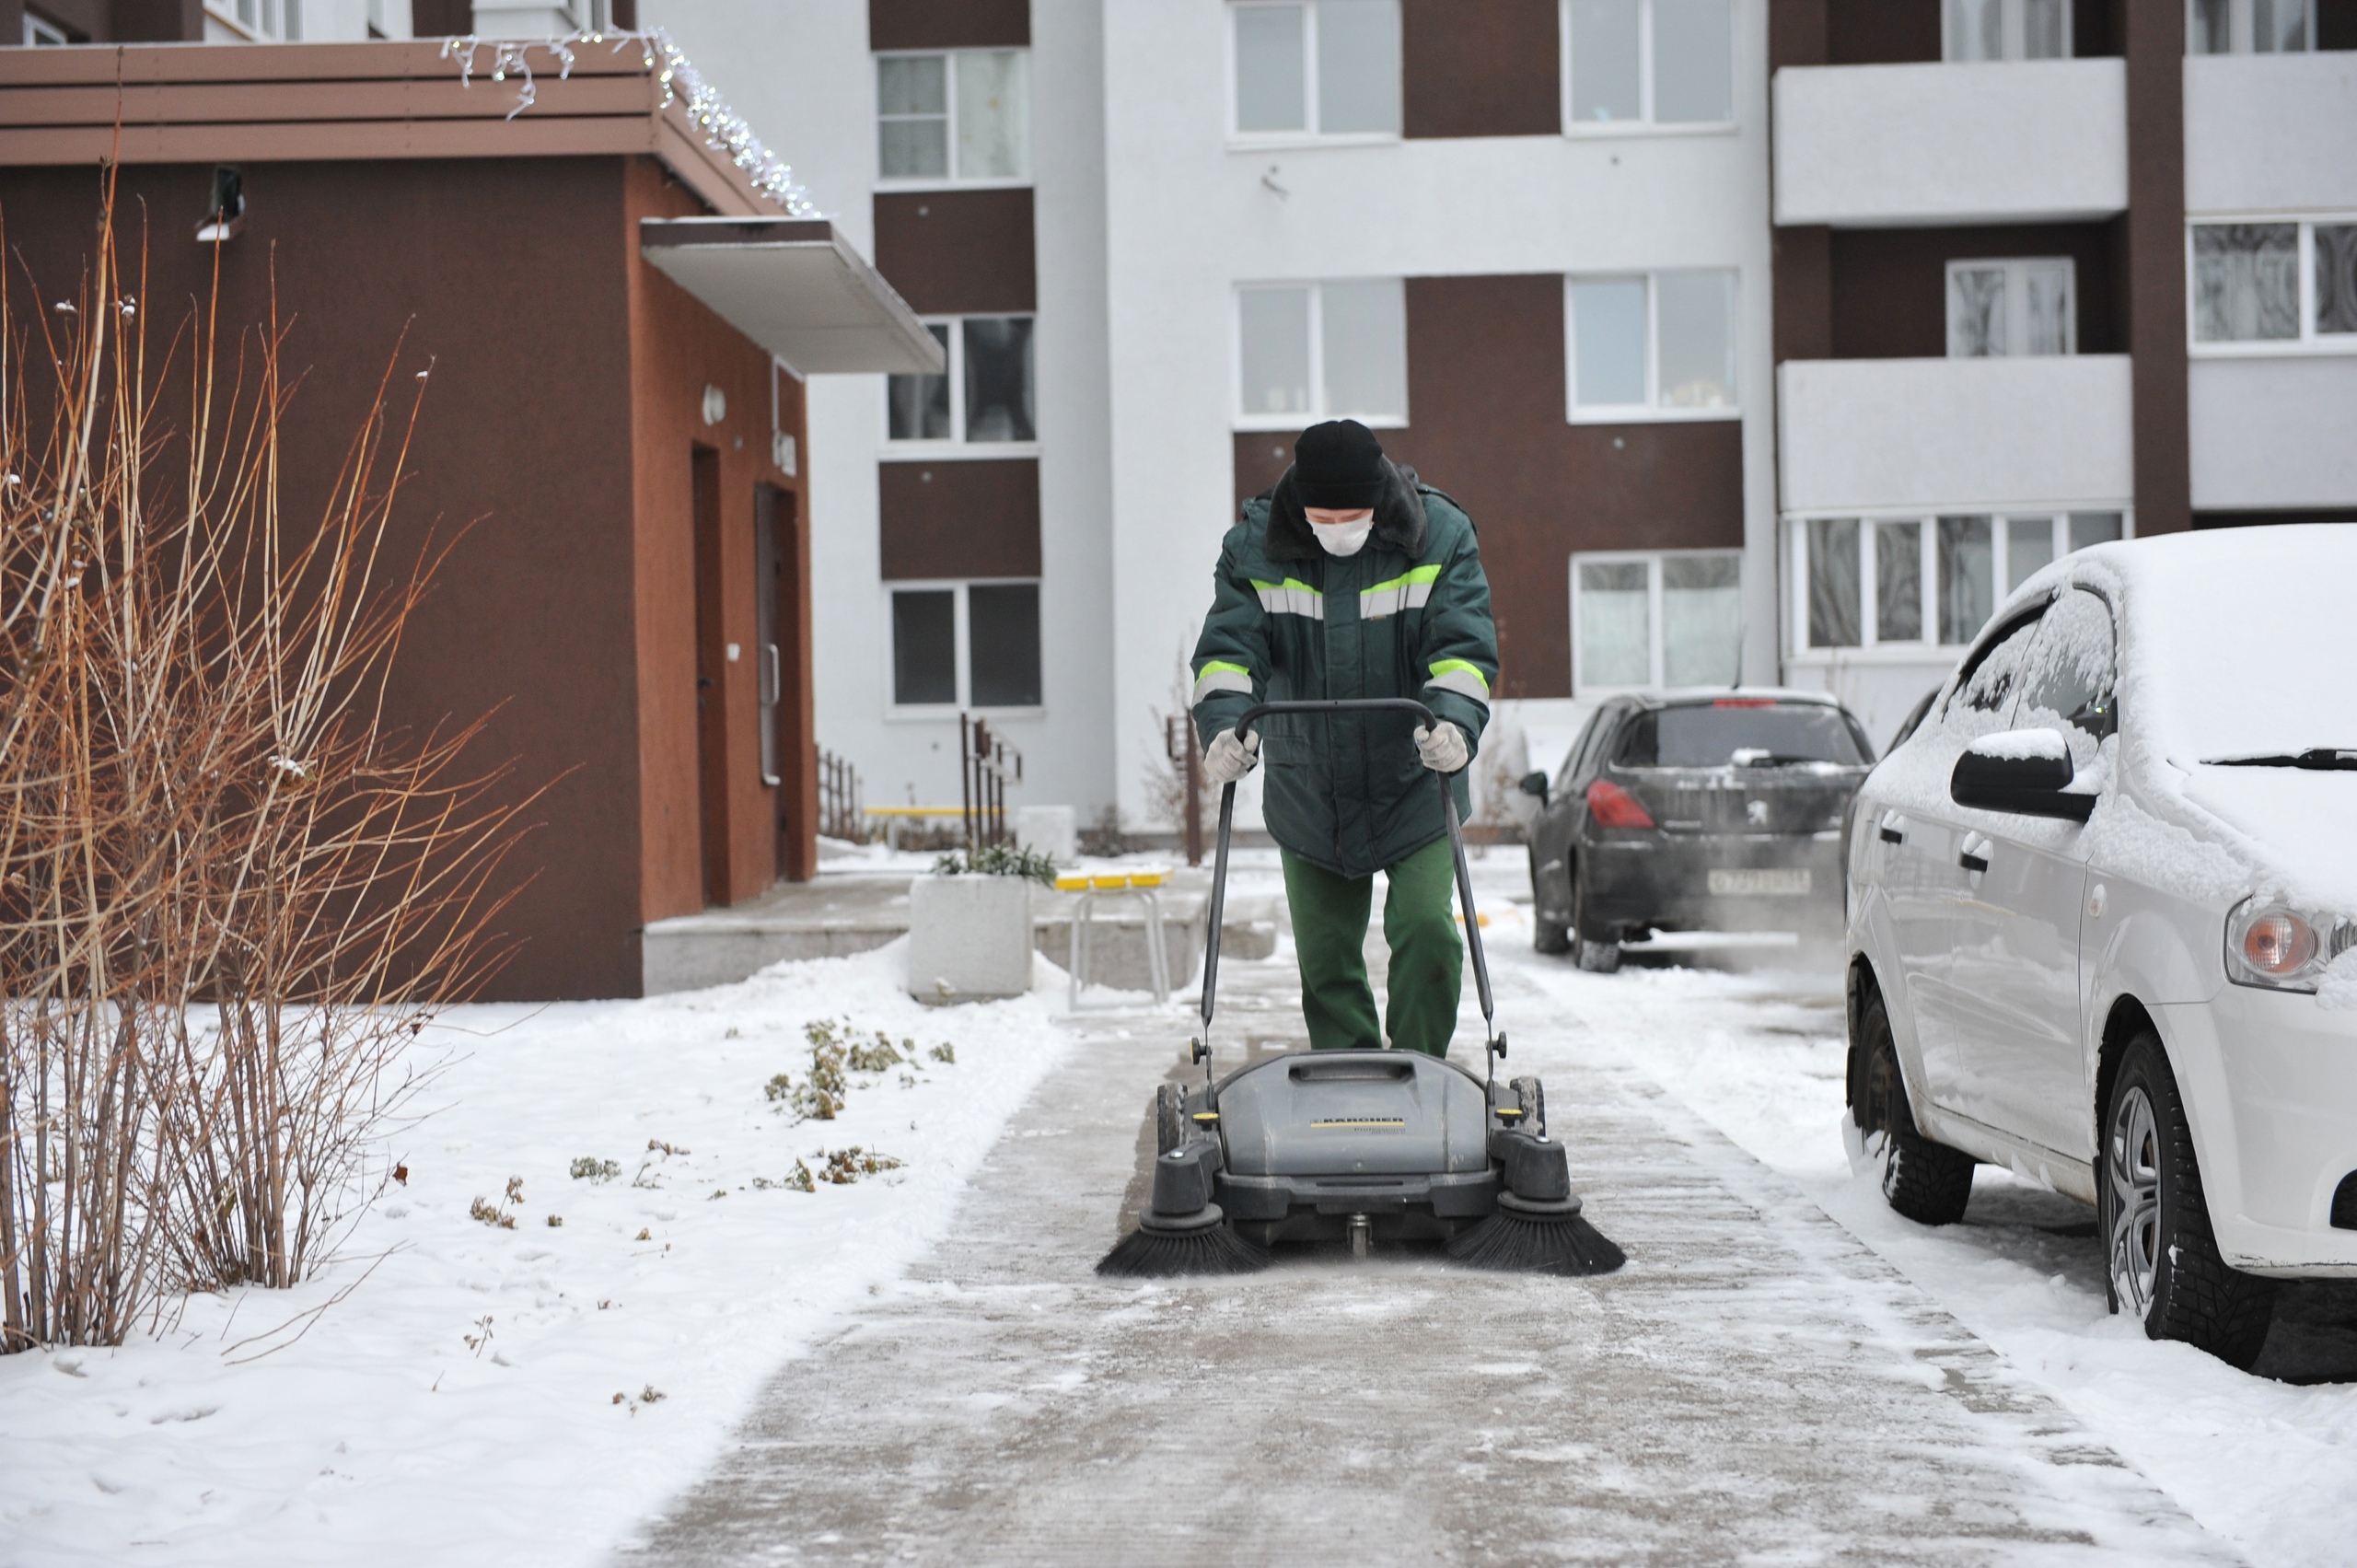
{"points": [[1694, 813]]}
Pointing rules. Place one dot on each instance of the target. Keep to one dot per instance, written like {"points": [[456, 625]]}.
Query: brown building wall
{"points": [[680, 348], [1485, 401], [977, 518], [2155, 234], [958, 253], [1481, 67], [1890, 285], [948, 24]]}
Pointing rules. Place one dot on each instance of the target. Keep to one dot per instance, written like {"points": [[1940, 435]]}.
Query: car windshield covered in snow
{"points": [[1743, 732]]}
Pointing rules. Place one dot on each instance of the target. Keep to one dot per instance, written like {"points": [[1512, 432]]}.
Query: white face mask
{"points": [[1343, 538]]}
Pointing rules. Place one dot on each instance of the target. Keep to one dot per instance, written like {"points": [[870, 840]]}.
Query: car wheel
{"points": [[1531, 1096], [1169, 1118], [1593, 951], [2161, 1261], [1549, 936], [1927, 1182]]}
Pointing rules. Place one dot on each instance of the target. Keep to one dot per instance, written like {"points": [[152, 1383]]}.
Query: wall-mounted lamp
{"points": [[783, 454], [715, 405], [228, 214]]}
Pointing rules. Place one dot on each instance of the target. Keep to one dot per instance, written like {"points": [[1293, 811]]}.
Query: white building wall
{"points": [[800, 73], [1191, 213], [2270, 132], [2016, 141]]}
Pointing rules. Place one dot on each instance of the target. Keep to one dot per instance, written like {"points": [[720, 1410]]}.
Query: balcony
{"points": [[1954, 434], [2274, 433], [1880, 146], [2270, 132]]}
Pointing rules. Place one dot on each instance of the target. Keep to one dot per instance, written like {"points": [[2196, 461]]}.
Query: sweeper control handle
{"points": [[1496, 1046]]}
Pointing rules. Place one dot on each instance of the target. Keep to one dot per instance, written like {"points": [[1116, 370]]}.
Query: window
{"points": [[988, 394], [965, 645], [2005, 29], [1636, 62], [1657, 620], [261, 18], [2013, 307], [2249, 27], [1312, 351], [1319, 67], [2288, 286], [1733, 730], [1923, 582], [2067, 682], [1655, 346], [954, 117], [43, 33]]}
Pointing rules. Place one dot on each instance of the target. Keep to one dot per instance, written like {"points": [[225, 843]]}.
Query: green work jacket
{"points": [[1407, 616]]}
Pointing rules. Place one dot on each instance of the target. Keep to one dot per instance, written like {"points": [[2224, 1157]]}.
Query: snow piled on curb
{"points": [[392, 1430]]}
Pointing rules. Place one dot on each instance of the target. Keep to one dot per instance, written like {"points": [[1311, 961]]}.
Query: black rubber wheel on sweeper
{"points": [[1169, 1118], [2161, 1260]]}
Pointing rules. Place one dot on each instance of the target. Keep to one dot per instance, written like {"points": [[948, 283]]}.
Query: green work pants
{"points": [[1330, 915]]}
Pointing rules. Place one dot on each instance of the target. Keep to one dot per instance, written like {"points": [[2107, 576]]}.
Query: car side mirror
{"points": [[2024, 772], [1534, 784]]}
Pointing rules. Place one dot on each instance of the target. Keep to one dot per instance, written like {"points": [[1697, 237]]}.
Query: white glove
{"points": [[1443, 749], [1229, 759]]}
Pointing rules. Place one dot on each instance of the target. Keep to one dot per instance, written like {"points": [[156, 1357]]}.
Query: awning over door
{"points": [[797, 287]]}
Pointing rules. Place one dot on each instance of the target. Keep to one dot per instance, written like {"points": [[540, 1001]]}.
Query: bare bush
{"points": [[230, 891]]}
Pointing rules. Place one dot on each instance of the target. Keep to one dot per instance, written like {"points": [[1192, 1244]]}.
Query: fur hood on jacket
{"points": [[1399, 518]]}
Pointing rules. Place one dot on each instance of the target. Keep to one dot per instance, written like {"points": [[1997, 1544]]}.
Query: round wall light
{"points": [[715, 405]]}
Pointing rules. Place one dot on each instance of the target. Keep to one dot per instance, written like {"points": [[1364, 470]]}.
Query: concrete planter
{"points": [[970, 938]]}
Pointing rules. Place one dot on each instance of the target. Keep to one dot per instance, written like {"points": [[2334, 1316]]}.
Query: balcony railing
{"points": [[2270, 132], [1954, 434], [2017, 142]]}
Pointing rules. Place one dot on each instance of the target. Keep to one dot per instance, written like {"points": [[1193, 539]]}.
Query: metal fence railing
{"points": [[990, 764], [839, 812]]}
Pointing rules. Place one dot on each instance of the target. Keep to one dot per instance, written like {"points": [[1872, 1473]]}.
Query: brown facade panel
{"points": [[971, 517], [1485, 398], [1881, 32], [1804, 292], [2155, 225], [1796, 33], [1890, 285], [1481, 68], [948, 24], [958, 253]]}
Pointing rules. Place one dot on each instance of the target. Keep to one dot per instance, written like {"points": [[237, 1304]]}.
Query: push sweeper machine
{"points": [[1357, 1147]]}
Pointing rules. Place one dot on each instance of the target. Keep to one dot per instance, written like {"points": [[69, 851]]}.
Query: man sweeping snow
{"points": [[1350, 578]]}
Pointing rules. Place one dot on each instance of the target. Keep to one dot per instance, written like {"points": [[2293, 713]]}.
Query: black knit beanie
{"points": [[1338, 466]]}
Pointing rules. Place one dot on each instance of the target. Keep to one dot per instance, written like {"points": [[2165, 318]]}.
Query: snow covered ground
{"points": [[459, 1405], [2269, 1465], [485, 1395]]}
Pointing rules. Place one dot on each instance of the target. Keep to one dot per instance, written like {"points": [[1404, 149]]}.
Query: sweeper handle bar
{"points": [[1456, 844]]}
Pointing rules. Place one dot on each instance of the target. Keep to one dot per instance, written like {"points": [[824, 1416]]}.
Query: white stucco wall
{"points": [[2275, 432], [800, 73], [1189, 215], [2054, 430], [2012, 142], [2270, 132]]}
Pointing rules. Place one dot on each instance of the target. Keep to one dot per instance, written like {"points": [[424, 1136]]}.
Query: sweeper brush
{"points": [[1356, 1146]]}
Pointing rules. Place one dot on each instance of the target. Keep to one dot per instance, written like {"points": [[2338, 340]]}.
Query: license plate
{"points": [[1756, 884]]}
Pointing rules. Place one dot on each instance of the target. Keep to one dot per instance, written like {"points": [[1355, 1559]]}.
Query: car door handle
{"points": [[1892, 829], [1974, 854]]}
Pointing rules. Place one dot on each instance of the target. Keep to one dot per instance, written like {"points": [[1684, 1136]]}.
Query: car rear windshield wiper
{"points": [[2321, 758]]}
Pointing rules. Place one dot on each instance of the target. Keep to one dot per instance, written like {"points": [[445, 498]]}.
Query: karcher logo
{"points": [[1362, 1121]]}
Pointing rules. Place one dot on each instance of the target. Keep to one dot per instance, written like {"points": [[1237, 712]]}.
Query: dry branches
{"points": [[231, 889]]}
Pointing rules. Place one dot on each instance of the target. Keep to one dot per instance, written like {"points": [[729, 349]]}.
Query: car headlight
{"points": [[2283, 948]]}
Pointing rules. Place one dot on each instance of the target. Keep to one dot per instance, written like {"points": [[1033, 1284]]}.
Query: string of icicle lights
{"points": [[725, 129]]}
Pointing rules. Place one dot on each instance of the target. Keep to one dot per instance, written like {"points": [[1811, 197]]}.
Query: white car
{"points": [[2103, 921]]}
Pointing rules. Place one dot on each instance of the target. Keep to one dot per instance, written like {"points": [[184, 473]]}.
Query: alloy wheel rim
{"points": [[2131, 1168]]}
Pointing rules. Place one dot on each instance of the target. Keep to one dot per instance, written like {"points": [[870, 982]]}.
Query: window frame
{"points": [[961, 639], [269, 19], [2016, 272], [952, 179], [1651, 410], [42, 33], [1644, 124], [1871, 648], [1308, 135], [2310, 342], [1320, 404], [2239, 36], [1656, 651], [954, 367]]}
